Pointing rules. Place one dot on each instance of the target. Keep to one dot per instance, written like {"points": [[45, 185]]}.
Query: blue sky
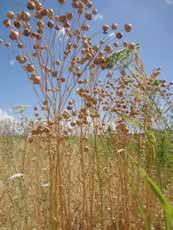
{"points": [[152, 22]]}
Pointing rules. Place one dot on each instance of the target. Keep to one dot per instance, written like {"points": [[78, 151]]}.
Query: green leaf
{"points": [[163, 201], [142, 213]]}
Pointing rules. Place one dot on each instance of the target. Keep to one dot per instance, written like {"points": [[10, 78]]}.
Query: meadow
{"points": [[97, 154]]}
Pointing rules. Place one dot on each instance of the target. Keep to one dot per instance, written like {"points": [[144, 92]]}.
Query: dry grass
{"points": [[103, 193]]}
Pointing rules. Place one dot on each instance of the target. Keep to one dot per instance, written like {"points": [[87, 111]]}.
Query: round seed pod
{"points": [[128, 27], [6, 23], [89, 4], [10, 14], [85, 27], [88, 56], [50, 13], [40, 24], [108, 49], [14, 35], [114, 26], [25, 16], [29, 68], [61, 1], [50, 24], [31, 5], [88, 16], [35, 79], [62, 18], [105, 28], [54, 74], [119, 35], [17, 24], [21, 59], [40, 31], [57, 62], [115, 44], [20, 45], [94, 11], [26, 32], [69, 16]]}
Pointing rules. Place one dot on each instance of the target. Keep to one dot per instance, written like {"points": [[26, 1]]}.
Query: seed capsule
{"points": [[25, 16], [88, 16], [31, 5], [26, 32], [21, 59], [114, 26], [89, 4], [20, 45], [10, 14], [115, 44], [17, 24], [61, 1], [69, 16], [105, 28], [128, 27], [14, 35], [29, 68], [119, 35], [50, 24], [35, 79], [94, 11], [6, 23], [85, 27]]}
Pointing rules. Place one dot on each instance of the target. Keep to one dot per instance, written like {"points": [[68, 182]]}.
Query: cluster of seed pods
{"points": [[65, 61]]}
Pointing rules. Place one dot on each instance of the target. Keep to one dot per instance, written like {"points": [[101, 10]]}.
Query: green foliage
{"points": [[163, 201], [123, 56]]}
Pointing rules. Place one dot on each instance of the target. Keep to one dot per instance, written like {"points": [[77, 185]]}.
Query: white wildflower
{"points": [[45, 185], [120, 150], [17, 175]]}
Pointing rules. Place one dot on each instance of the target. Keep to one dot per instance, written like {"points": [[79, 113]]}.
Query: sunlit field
{"points": [[98, 152]]}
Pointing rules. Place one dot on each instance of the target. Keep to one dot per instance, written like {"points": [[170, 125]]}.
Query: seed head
{"points": [[61, 1], [105, 28], [31, 5], [114, 26], [10, 14], [6, 23], [128, 27], [119, 35], [14, 35]]}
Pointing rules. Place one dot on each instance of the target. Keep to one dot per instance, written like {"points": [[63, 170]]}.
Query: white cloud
{"points": [[5, 116], [12, 62], [169, 2], [98, 17]]}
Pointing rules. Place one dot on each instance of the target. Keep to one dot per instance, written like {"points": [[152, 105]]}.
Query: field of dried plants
{"points": [[97, 155]]}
